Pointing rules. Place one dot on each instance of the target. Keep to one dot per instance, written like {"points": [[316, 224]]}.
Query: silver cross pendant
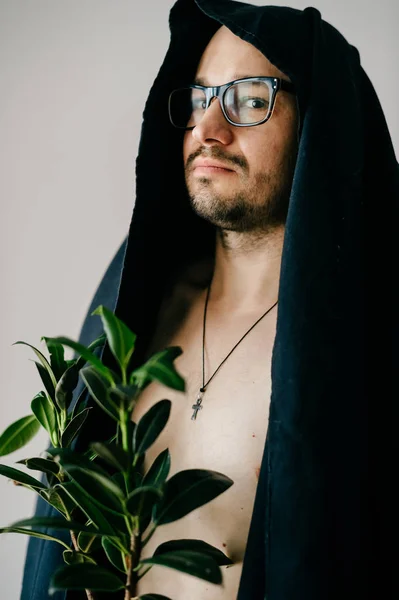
{"points": [[197, 406]]}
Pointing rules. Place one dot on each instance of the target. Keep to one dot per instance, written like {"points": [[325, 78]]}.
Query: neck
{"points": [[247, 270]]}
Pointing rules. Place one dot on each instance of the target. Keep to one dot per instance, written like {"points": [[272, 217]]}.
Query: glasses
{"points": [[245, 102]]}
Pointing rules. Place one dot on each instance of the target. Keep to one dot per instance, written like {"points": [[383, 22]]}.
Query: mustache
{"points": [[217, 154]]}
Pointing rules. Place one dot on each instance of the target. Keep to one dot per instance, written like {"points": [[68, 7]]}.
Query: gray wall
{"points": [[74, 77]]}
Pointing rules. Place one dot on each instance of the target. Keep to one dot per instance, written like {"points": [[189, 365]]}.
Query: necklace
{"points": [[198, 405]]}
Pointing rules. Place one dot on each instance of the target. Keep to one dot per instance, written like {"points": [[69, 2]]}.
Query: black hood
{"points": [[317, 530], [316, 525]]}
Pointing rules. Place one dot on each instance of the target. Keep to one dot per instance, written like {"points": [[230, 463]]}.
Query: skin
{"points": [[247, 205]]}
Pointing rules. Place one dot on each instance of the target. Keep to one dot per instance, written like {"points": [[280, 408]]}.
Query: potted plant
{"points": [[110, 506]]}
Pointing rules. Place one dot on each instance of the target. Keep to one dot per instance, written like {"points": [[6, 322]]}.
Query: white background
{"points": [[74, 77]]}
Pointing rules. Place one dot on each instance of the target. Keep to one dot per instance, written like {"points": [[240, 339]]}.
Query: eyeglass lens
{"points": [[246, 102]]}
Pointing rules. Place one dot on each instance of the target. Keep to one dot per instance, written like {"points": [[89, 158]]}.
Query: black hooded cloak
{"points": [[322, 512]]}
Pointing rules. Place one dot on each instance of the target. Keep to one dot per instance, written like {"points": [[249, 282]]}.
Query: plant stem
{"points": [[123, 426], [89, 594], [135, 550]]}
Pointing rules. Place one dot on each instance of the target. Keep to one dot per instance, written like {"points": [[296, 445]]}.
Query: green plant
{"points": [[108, 504]]}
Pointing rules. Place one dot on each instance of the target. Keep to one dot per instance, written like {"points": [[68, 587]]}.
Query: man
{"points": [[280, 397], [246, 202]]}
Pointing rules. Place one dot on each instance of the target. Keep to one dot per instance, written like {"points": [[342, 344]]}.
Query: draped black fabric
{"points": [[320, 527]]}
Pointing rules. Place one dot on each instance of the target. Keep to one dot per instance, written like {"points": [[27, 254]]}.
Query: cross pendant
{"points": [[197, 406]]}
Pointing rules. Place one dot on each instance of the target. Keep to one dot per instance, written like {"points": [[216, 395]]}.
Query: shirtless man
{"points": [[247, 203]]}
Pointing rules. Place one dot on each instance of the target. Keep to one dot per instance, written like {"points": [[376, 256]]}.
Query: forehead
{"points": [[228, 57]]}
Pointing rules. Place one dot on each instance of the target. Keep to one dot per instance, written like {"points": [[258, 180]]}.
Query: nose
{"points": [[213, 127]]}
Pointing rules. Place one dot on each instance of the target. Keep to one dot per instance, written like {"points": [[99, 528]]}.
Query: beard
{"points": [[258, 205]]}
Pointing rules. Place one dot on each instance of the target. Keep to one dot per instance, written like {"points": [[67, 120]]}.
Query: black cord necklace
{"points": [[198, 405]]}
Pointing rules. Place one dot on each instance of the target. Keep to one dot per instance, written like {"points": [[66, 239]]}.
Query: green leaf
{"points": [[65, 387], [102, 490], [43, 360], [87, 542], [57, 497], [98, 387], [91, 511], [188, 561], [120, 338], [85, 576], [18, 434], [71, 457], [73, 427], [72, 557], [44, 412], [31, 532], [150, 426], [119, 479], [97, 343], [91, 455], [86, 354], [159, 470], [137, 479], [41, 464], [114, 455], [56, 523], [46, 379], [80, 403], [85, 495], [133, 481], [20, 477], [160, 368], [186, 491], [142, 500], [114, 555], [124, 395], [57, 360], [197, 546]]}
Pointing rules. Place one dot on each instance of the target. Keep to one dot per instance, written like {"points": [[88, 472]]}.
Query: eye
{"points": [[253, 102], [199, 104]]}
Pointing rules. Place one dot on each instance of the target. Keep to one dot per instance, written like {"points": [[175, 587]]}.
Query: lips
{"points": [[210, 163]]}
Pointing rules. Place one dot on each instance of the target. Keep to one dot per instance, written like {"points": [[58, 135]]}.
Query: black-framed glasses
{"points": [[244, 102]]}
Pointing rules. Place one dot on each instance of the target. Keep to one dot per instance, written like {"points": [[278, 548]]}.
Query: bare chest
{"points": [[228, 436]]}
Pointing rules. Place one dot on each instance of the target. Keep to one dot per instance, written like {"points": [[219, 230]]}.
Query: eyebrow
{"points": [[202, 80]]}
